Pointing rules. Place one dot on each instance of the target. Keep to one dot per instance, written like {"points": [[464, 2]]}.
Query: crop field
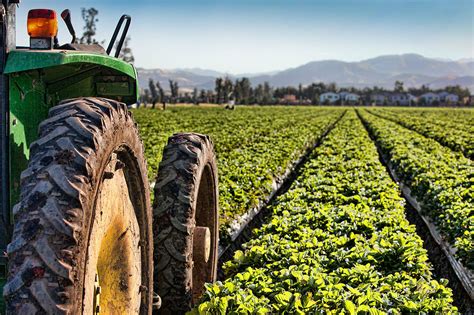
{"points": [[338, 240], [255, 147]]}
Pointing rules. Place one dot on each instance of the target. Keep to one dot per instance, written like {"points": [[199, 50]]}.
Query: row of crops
{"points": [[337, 243], [338, 240], [255, 147], [445, 126], [440, 179]]}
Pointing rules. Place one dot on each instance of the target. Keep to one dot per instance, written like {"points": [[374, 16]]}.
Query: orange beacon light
{"points": [[42, 28]]}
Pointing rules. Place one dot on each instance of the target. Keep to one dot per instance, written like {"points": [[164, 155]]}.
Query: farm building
{"points": [[429, 98], [378, 99], [401, 99], [329, 97], [468, 100], [448, 98], [349, 98], [290, 98], [451, 98]]}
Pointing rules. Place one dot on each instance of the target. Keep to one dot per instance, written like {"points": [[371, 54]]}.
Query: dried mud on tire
{"points": [[57, 205], [186, 197]]}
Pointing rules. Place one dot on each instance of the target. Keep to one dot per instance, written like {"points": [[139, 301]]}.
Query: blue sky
{"points": [[239, 36]]}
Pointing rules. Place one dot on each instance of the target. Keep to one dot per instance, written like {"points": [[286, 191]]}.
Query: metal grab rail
{"points": [[122, 38]]}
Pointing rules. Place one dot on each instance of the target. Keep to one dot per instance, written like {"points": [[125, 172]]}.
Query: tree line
{"points": [[241, 92]]}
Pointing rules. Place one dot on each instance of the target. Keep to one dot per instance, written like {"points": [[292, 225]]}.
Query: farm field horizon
{"points": [[237, 157], [338, 240]]}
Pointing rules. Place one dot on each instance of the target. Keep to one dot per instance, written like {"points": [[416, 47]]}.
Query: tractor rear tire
{"points": [[83, 224], [185, 222]]}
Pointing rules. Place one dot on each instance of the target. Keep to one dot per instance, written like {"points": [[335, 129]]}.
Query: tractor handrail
{"points": [[122, 38]]}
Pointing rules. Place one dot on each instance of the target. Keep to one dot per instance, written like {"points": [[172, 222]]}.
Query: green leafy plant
{"points": [[452, 128], [338, 243], [255, 146], [440, 179]]}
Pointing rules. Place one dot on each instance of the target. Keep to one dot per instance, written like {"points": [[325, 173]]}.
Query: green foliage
{"points": [[255, 146], [454, 129], [90, 26], [337, 243], [440, 179]]}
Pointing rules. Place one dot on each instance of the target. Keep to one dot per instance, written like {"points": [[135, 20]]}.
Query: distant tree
{"points": [[187, 98], [267, 93], [280, 93], [377, 89], [425, 89], [258, 94], [312, 92], [300, 93], [174, 91], [90, 26], [219, 90], [242, 89], [209, 96], [227, 89], [238, 92], [153, 92], [203, 96], [398, 87], [195, 96], [332, 87], [458, 90], [146, 96], [126, 53], [161, 93]]}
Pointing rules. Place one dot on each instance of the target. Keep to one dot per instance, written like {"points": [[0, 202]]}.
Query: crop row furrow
{"points": [[441, 180], [440, 128], [255, 148], [338, 243]]}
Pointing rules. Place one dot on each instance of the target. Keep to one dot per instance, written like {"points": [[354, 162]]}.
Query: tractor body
{"points": [[77, 230], [33, 81], [39, 80]]}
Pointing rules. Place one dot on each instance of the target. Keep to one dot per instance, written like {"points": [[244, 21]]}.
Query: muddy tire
{"points": [[185, 222], [67, 226]]}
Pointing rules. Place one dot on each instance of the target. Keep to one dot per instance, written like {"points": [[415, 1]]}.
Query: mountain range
{"points": [[414, 70]]}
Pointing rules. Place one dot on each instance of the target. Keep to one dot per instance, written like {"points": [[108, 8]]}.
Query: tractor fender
{"points": [[62, 69]]}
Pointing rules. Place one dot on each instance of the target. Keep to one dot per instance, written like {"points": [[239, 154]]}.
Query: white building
{"points": [[399, 99], [429, 98], [349, 97], [378, 99], [448, 98], [329, 97], [442, 95], [412, 98]]}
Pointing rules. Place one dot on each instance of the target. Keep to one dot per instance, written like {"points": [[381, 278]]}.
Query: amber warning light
{"points": [[42, 28]]}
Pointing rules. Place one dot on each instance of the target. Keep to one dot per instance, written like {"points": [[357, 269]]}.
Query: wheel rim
{"points": [[113, 262], [205, 234]]}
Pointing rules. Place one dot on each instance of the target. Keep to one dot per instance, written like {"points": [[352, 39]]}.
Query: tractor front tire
{"points": [[82, 240], [185, 222]]}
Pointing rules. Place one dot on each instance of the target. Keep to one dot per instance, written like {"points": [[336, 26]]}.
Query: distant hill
{"points": [[185, 79], [467, 81], [414, 70], [413, 63]]}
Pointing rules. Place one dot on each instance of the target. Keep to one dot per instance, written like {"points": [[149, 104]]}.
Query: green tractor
{"points": [[78, 234]]}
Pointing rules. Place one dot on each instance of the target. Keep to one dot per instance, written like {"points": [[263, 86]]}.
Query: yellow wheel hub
{"points": [[114, 256]]}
